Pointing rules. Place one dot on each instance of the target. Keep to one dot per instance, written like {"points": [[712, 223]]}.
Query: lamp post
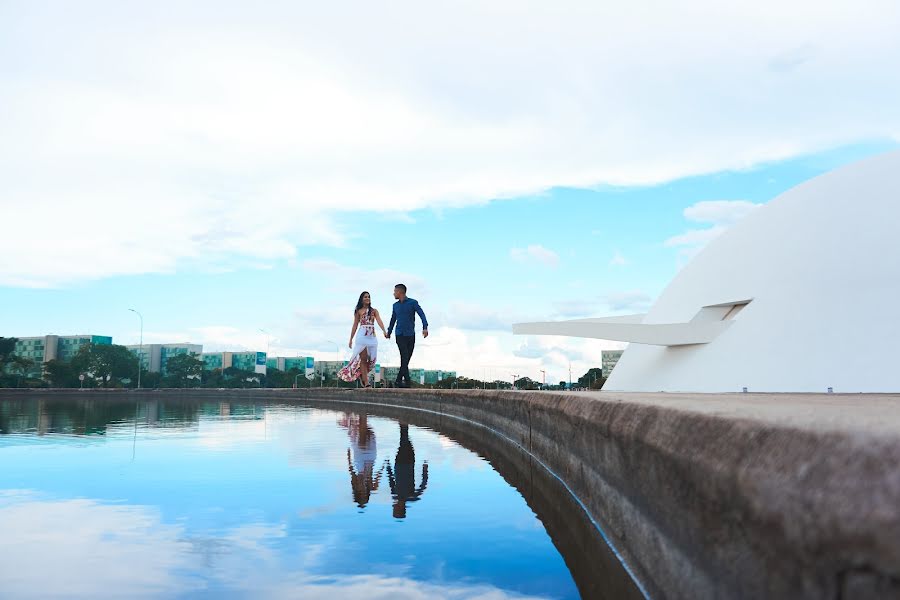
{"points": [[141, 350], [515, 377], [543, 379]]}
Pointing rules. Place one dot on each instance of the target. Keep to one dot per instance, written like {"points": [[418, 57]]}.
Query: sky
{"points": [[226, 168]]}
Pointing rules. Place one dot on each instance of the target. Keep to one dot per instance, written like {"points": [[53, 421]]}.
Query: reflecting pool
{"points": [[185, 498]]}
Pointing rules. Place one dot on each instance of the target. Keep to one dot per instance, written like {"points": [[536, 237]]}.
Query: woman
{"points": [[365, 350]]}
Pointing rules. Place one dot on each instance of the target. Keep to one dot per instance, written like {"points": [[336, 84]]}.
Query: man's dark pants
{"points": [[406, 344]]}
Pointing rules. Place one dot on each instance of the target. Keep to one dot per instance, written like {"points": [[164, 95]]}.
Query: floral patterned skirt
{"points": [[369, 342]]}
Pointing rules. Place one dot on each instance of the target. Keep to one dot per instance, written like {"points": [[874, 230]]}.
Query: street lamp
{"points": [[515, 377], [543, 379], [141, 351]]}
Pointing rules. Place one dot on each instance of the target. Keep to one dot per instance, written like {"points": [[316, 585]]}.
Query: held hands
{"points": [[387, 336], [350, 345], [424, 333]]}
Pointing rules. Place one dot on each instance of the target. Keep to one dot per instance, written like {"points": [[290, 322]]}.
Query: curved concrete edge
{"points": [[700, 504]]}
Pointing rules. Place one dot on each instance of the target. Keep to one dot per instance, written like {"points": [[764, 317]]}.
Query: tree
{"points": [[183, 368], [20, 367], [60, 374], [527, 383], [593, 379], [151, 379], [7, 350], [106, 363], [213, 379]]}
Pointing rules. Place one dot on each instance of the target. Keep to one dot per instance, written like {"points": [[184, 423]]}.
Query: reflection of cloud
{"points": [[80, 548], [84, 549]]}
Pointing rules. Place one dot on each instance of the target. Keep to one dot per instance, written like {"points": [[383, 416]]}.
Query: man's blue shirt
{"points": [[405, 317]]}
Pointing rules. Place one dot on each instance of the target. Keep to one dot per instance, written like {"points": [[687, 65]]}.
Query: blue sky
{"points": [[225, 168], [607, 254]]}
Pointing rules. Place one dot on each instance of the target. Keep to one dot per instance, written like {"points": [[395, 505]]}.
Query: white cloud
{"points": [[719, 214], [618, 260], [696, 238], [379, 282], [629, 301], [535, 253], [478, 318], [151, 138], [624, 301]]}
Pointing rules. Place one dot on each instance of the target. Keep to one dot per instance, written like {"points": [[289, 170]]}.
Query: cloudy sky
{"points": [[226, 167]]}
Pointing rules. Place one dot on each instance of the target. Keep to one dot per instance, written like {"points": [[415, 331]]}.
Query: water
{"points": [[181, 498]]}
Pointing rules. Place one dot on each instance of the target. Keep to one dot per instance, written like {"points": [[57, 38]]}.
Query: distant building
{"points": [[432, 377], [286, 363], [421, 376], [55, 347], [245, 361], [215, 360], [155, 357], [329, 368], [608, 360]]}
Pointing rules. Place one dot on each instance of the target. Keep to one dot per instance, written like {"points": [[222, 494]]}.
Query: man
{"points": [[405, 310]]}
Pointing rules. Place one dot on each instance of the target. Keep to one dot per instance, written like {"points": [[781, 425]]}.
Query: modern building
{"points": [[155, 357], [389, 374], [329, 368], [287, 363], [432, 377], [608, 360], [768, 305], [55, 347], [421, 376], [215, 360], [246, 361]]}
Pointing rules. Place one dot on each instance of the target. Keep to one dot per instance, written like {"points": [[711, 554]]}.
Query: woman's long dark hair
{"points": [[359, 304]]}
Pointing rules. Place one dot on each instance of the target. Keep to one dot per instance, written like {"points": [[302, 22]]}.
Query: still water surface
{"points": [[183, 499]]}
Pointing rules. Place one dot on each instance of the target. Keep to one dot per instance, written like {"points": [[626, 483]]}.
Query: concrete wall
{"points": [[706, 507]]}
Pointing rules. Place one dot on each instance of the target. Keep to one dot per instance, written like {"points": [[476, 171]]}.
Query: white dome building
{"points": [[800, 296]]}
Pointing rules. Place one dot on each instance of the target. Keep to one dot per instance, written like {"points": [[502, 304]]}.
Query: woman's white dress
{"points": [[365, 340]]}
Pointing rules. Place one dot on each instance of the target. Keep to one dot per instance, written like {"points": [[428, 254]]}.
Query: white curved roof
{"points": [[815, 276]]}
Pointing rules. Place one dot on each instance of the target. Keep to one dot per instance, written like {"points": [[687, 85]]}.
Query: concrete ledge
{"points": [[705, 496]]}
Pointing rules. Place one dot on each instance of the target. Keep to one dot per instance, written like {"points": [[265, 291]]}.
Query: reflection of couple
{"points": [[361, 456], [364, 342], [403, 476], [364, 480]]}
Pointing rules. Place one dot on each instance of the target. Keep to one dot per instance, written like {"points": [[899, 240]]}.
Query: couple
{"points": [[365, 348]]}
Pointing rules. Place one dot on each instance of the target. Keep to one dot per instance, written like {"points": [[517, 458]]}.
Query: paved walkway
{"points": [[869, 414]]}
